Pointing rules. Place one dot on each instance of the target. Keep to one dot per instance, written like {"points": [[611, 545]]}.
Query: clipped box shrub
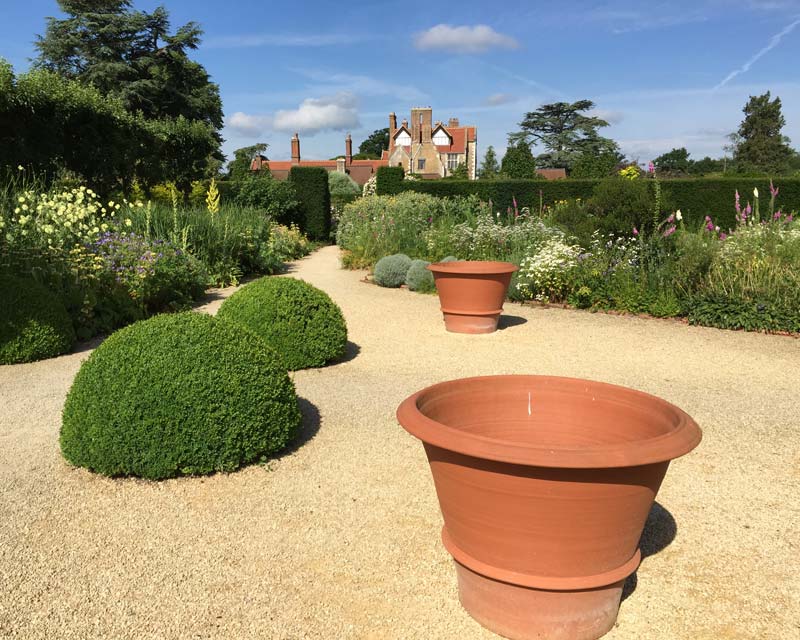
{"points": [[178, 395], [391, 271], [389, 181], [34, 324], [311, 187], [419, 278], [298, 320]]}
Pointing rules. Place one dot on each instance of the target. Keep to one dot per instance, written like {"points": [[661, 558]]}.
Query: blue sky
{"points": [[664, 74]]}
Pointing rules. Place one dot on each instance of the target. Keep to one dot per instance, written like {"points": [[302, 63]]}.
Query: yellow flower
{"points": [[128, 222], [21, 199], [20, 167]]}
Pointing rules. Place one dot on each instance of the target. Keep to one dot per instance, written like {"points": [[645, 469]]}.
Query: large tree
{"points": [[758, 145], [489, 167], [674, 162], [239, 167], [131, 55], [564, 132], [518, 162], [375, 144]]}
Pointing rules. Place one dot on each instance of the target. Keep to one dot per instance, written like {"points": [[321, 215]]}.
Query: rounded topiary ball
{"points": [[298, 320], [419, 277], [390, 271], [34, 324], [176, 395]]}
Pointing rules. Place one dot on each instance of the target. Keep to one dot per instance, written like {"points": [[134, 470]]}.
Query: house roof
{"points": [[285, 165], [552, 174], [459, 137]]}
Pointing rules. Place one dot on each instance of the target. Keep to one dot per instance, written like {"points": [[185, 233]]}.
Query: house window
{"points": [[420, 164], [452, 161]]}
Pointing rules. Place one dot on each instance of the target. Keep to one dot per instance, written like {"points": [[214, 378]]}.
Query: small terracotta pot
{"points": [[545, 485], [472, 293]]}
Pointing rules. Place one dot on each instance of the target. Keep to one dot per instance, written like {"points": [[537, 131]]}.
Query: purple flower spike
{"points": [[773, 190]]}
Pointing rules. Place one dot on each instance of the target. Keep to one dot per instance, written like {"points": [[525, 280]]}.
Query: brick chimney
{"points": [[453, 122], [392, 129], [295, 149], [348, 150]]}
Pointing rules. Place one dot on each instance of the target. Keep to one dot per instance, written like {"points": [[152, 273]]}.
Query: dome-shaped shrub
{"points": [[419, 278], [449, 259], [176, 395], [33, 324], [298, 320], [390, 271]]}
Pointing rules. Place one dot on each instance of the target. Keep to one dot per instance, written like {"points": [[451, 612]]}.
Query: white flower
{"points": [[20, 167], [128, 222], [716, 228], [678, 215], [755, 192]]}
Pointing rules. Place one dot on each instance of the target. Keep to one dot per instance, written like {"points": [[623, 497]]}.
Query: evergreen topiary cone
{"points": [[298, 320], [177, 395], [34, 324]]}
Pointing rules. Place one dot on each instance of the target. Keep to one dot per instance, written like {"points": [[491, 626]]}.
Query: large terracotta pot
{"points": [[472, 293], [545, 485]]}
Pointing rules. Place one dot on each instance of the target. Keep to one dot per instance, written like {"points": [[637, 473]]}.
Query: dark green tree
{"points": [[759, 145], [675, 162], [518, 162], [595, 166], [489, 167], [239, 167], [374, 145], [707, 165], [459, 173], [564, 132], [133, 56]]}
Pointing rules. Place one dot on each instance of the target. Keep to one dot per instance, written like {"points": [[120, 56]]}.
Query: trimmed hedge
{"points": [[696, 197], [311, 185], [34, 323], [390, 181], [391, 271], [298, 320], [177, 395]]}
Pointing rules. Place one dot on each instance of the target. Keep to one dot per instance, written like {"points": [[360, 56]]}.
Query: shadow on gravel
{"points": [[507, 321], [351, 351], [659, 532], [308, 429]]}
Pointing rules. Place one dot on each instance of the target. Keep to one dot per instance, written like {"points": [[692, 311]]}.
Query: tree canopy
{"points": [[564, 132], [239, 167], [375, 144], [674, 162], [489, 167], [759, 145], [518, 162]]}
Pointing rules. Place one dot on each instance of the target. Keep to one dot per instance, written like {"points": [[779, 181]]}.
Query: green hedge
{"points": [[390, 181], [178, 394], [696, 197], [311, 185]]}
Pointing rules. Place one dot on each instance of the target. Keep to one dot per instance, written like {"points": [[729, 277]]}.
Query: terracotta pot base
{"points": [[474, 324], [524, 613]]}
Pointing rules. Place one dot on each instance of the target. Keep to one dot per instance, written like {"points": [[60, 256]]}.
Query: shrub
{"points": [[298, 320], [340, 184], [419, 278], [34, 324], [389, 181], [275, 198], [311, 186], [178, 395], [620, 204], [391, 271]]}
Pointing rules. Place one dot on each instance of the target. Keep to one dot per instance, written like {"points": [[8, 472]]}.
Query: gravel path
{"points": [[340, 537]]}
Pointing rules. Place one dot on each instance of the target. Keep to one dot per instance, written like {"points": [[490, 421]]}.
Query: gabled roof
{"points": [[459, 137], [396, 133]]}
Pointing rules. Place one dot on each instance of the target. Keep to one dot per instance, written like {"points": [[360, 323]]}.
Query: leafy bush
{"points": [[34, 324], [276, 199], [419, 277], [178, 395], [619, 205], [340, 184], [389, 181], [391, 271], [298, 320], [311, 186]]}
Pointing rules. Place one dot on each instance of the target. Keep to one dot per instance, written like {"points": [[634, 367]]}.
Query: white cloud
{"points": [[500, 98], [610, 116], [247, 124], [464, 39], [338, 112]]}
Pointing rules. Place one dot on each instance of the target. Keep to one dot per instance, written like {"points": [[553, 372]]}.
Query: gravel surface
{"points": [[339, 538]]}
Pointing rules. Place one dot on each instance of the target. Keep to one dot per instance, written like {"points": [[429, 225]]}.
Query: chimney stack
{"points": [[453, 122], [348, 150], [392, 129], [295, 149]]}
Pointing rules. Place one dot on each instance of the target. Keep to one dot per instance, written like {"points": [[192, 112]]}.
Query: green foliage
{"points": [[489, 167], [340, 184], [419, 277], [298, 320], [675, 162], [620, 205], [277, 199], [592, 165], [311, 186], [391, 271], [461, 172], [375, 144], [34, 324], [390, 181], [239, 167], [178, 395], [519, 163], [759, 145]]}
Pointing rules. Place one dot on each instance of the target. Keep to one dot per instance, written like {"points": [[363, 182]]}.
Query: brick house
{"points": [[430, 149]]}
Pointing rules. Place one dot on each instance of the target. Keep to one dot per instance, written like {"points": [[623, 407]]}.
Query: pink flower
{"points": [[737, 205], [635, 231], [772, 189], [651, 167], [669, 231], [777, 215], [671, 217], [723, 236]]}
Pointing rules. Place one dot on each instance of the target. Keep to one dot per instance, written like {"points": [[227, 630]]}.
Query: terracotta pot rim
{"points": [[684, 434], [477, 267]]}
